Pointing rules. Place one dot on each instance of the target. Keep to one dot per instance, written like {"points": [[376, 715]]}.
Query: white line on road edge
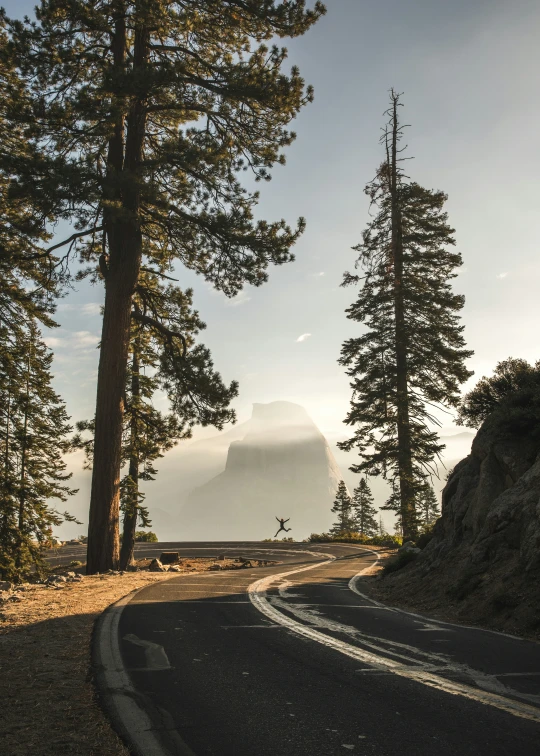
{"points": [[354, 588], [257, 595], [119, 693]]}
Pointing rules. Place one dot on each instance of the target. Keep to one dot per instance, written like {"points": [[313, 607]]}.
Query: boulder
{"points": [[5, 585], [169, 557], [156, 566], [407, 545], [56, 579], [491, 503]]}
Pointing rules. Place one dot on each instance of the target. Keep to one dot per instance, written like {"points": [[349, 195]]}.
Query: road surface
{"points": [[291, 660]]}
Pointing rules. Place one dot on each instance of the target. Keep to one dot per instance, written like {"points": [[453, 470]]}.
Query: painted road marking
{"points": [[354, 588], [430, 628], [187, 601], [266, 627], [419, 673], [156, 658]]}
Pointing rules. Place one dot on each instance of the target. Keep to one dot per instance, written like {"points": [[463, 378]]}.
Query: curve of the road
{"points": [[292, 659]]}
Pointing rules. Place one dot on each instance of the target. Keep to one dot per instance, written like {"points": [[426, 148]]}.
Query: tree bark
{"points": [[124, 240], [127, 550], [406, 482], [22, 479]]}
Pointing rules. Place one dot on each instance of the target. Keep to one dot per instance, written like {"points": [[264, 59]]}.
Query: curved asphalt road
{"points": [[249, 663]]}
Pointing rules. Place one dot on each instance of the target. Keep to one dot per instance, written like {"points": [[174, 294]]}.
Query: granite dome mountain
{"points": [[281, 466]]}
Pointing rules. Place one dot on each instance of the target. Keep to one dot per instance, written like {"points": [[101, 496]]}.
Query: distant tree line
{"points": [[356, 513]]}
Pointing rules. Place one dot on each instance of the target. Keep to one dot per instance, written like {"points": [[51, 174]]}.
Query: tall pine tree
{"points": [[151, 109], [364, 513], [33, 439], [411, 355], [428, 506], [342, 508]]}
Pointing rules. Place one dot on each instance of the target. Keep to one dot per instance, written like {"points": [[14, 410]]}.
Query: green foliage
{"points": [[428, 508], [401, 367], [145, 115], [343, 508], [288, 539], [33, 438], [151, 111], [392, 541], [386, 539], [511, 397], [363, 510], [393, 504], [142, 536]]}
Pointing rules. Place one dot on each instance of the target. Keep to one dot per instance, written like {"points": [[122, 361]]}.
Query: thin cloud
{"points": [[52, 341], [83, 339], [501, 275], [239, 299], [303, 337], [318, 275], [91, 308], [72, 340]]}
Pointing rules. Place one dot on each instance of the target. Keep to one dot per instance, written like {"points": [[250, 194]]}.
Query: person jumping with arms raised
{"points": [[282, 525]]}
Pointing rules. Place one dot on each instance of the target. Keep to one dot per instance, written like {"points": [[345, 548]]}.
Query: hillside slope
{"points": [[484, 559]]}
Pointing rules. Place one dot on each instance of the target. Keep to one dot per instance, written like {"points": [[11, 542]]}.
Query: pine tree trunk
{"points": [[22, 478], [103, 543], [6, 450], [125, 252], [127, 550], [406, 483]]}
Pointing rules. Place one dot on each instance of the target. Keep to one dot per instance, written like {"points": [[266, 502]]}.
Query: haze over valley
{"points": [[231, 485]]}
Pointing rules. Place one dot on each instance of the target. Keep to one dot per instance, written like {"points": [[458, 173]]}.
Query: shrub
{"points": [[393, 541], [142, 536], [399, 561]]}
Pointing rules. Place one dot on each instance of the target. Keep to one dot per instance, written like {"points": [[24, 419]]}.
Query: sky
{"points": [[470, 74]]}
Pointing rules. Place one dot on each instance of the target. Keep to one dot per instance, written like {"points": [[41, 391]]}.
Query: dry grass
{"points": [[48, 704]]}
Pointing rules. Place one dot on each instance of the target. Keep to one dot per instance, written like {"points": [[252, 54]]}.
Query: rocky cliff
{"points": [[484, 558], [281, 467]]}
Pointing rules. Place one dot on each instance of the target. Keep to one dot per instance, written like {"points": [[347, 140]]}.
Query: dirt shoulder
{"points": [[48, 699], [493, 600]]}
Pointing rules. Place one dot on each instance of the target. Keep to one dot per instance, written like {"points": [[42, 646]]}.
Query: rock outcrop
{"points": [[484, 557], [281, 467]]}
